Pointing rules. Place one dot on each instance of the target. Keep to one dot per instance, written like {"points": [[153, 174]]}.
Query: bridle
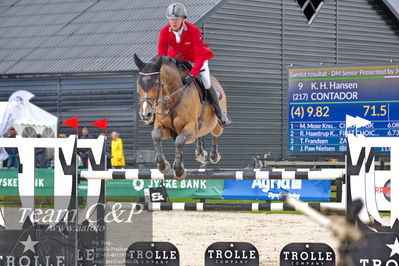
{"points": [[156, 100]]}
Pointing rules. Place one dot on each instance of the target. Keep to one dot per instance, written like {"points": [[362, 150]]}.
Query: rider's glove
{"points": [[188, 79]]}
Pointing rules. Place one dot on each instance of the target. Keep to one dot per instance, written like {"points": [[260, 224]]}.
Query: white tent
{"points": [[32, 121]]}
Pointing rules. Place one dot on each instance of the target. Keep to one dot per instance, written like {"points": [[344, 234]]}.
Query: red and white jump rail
{"points": [[221, 174]]}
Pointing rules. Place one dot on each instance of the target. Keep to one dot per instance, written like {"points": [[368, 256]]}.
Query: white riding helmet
{"points": [[176, 10]]}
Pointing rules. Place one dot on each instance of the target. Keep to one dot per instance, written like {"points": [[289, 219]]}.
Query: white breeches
{"points": [[205, 75]]}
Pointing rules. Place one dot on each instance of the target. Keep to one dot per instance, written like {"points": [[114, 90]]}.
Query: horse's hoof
{"points": [[180, 177], [165, 169], [214, 160], [201, 157], [180, 172]]}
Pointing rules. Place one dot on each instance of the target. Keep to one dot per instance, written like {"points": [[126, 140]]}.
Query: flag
{"points": [[17, 103], [73, 122], [102, 123]]}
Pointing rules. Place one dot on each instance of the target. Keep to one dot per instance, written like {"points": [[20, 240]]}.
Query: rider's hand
{"points": [[188, 79]]}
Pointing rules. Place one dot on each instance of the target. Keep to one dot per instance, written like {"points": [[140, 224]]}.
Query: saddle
{"points": [[202, 91], [186, 67]]}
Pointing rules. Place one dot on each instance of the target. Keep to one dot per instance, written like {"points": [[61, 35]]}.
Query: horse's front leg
{"points": [[178, 166], [186, 136], [162, 164]]}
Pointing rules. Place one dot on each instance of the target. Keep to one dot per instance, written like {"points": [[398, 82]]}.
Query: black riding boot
{"points": [[224, 119]]}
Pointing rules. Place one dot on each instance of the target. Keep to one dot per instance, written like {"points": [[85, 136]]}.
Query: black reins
{"points": [[164, 99]]}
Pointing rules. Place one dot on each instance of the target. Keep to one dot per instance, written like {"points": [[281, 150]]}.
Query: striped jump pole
{"points": [[178, 206], [221, 174], [2, 220]]}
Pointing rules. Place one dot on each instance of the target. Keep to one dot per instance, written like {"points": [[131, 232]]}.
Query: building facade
{"points": [[84, 67]]}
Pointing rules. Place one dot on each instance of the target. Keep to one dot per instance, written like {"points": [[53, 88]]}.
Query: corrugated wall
{"points": [[89, 97], [94, 98], [247, 41], [367, 32], [306, 45], [46, 91]]}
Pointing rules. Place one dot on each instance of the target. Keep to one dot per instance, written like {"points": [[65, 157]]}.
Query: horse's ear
{"points": [[138, 62], [158, 64]]}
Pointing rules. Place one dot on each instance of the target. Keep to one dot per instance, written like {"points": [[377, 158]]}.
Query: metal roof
{"points": [[65, 36], [393, 6]]}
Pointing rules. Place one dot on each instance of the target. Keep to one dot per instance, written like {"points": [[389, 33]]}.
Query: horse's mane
{"points": [[170, 73], [154, 59], [165, 60]]}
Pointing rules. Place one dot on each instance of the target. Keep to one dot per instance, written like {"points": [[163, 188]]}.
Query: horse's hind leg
{"points": [[162, 164], [214, 155], [200, 154]]}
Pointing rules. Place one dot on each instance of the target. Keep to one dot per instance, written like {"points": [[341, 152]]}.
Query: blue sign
{"points": [[307, 190], [320, 98]]}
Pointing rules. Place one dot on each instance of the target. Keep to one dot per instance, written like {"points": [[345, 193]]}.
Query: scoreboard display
{"points": [[320, 98]]}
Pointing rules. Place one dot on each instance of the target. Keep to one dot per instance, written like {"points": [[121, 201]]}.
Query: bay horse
{"points": [[176, 110]]}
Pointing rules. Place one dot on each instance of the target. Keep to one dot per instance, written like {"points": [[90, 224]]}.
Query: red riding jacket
{"points": [[191, 47]]}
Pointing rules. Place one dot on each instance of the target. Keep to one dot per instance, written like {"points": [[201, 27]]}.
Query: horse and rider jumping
{"points": [[169, 99]]}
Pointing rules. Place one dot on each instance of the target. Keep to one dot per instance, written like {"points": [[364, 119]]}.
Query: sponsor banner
{"points": [[156, 194], [44, 184], [35, 248], [209, 189], [307, 190], [231, 253], [383, 190], [381, 248], [307, 254], [152, 253]]}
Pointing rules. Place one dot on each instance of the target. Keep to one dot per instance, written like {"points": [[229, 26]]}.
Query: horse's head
{"points": [[148, 87]]}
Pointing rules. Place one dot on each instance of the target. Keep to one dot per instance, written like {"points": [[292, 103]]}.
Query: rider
{"points": [[184, 41]]}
